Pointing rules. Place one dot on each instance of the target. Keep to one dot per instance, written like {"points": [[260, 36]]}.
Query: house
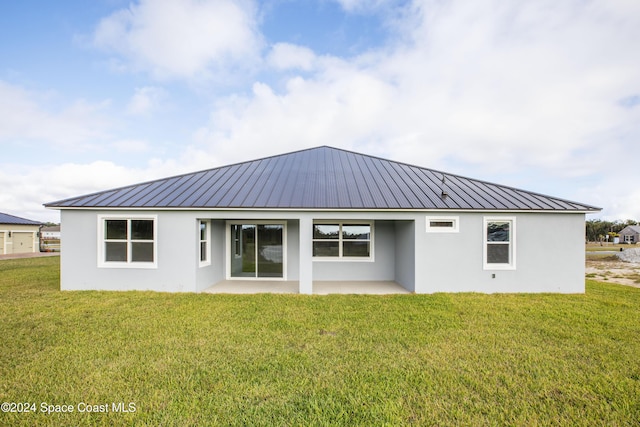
{"points": [[18, 235], [322, 220], [630, 234], [50, 233], [50, 239]]}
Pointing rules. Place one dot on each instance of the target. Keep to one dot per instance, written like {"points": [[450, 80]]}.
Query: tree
{"points": [[597, 229]]}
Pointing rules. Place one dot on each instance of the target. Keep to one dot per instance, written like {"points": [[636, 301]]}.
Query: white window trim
{"points": [[512, 243], [101, 243], [207, 241], [340, 257], [454, 219], [231, 250]]}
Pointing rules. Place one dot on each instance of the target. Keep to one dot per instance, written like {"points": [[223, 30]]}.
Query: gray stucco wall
{"points": [[176, 254], [549, 252], [216, 271], [549, 256], [405, 254]]}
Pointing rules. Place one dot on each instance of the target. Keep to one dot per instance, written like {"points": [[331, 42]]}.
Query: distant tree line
{"points": [[597, 229]]}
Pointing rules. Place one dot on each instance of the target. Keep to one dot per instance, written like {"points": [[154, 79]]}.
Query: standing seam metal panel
{"points": [[190, 187], [177, 189], [356, 188], [288, 176], [472, 196], [162, 192], [261, 198], [240, 193], [233, 185], [414, 190], [216, 192], [369, 197], [453, 200], [331, 190]]}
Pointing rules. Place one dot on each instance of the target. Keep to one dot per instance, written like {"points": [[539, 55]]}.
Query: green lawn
{"points": [[188, 359]]}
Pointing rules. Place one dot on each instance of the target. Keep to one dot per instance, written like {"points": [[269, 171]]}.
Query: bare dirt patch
{"points": [[611, 269]]}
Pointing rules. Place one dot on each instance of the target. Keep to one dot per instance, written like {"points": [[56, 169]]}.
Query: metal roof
{"points": [[321, 178], [15, 220]]}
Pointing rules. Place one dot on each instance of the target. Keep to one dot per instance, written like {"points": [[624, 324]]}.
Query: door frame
{"points": [[230, 253]]}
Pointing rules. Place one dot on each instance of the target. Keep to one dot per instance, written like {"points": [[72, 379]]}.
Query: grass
{"points": [[194, 359], [595, 247]]}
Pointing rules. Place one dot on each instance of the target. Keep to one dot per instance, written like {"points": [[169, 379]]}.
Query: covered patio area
{"points": [[319, 287]]}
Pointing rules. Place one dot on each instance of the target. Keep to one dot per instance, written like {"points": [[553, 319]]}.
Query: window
{"points": [[628, 238], [442, 224], [342, 240], [127, 241], [205, 234], [499, 243]]}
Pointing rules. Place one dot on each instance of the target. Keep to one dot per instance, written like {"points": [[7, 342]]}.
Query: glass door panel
{"points": [[257, 250], [270, 262], [243, 255]]}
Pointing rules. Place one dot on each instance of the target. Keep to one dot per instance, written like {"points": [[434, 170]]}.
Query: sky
{"points": [[543, 95]]}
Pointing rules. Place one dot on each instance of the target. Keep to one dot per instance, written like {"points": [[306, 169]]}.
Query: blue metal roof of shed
{"points": [[321, 178], [15, 220]]}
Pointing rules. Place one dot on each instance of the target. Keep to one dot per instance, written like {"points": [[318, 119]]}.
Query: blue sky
{"points": [[540, 95]]}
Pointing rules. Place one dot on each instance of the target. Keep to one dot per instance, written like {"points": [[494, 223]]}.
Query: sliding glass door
{"points": [[257, 250]]}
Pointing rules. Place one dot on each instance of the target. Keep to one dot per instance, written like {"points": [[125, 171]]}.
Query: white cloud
{"points": [[23, 118], [366, 5], [145, 100], [131, 146], [285, 56], [181, 38]]}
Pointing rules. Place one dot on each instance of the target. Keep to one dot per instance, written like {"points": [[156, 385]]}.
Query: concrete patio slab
{"points": [[358, 287], [253, 287], [319, 287]]}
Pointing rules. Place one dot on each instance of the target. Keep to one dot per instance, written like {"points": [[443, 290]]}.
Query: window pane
{"points": [[116, 229], [270, 261], [497, 253], [141, 229], [244, 265], [444, 224], [355, 249], [326, 231], [142, 252], [328, 249], [498, 231], [355, 231], [203, 251], [116, 252], [203, 230]]}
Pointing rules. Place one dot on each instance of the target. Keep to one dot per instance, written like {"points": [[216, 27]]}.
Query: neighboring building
{"points": [[630, 234], [50, 239], [50, 233], [18, 235], [322, 216]]}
